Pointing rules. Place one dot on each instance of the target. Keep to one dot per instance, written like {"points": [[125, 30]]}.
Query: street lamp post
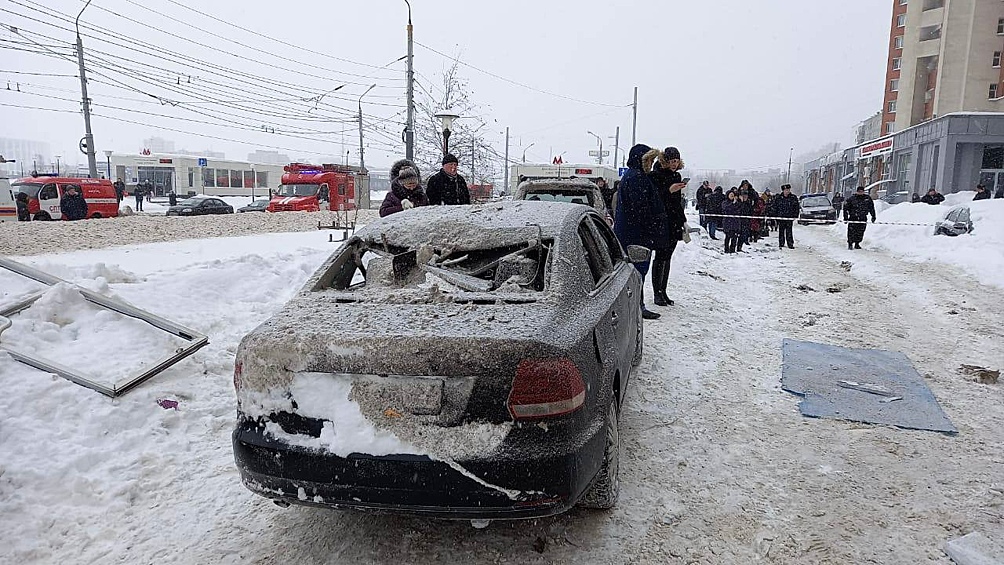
{"points": [[599, 157], [58, 167], [108, 162], [254, 181], [524, 151], [447, 117], [362, 156]]}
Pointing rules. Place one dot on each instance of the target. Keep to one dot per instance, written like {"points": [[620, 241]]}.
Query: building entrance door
{"points": [[162, 178], [993, 179]]}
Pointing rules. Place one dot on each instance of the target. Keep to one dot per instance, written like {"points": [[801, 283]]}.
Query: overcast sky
{"points": [[732, 83]]}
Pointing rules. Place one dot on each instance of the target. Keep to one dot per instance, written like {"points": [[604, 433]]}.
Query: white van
{"points": [[8, 208]]}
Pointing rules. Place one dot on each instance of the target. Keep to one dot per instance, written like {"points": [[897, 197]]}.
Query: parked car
{"points": [[957, 221], [465, 362], [573, 191], [816, 209], [200, 206], [256, 206]]}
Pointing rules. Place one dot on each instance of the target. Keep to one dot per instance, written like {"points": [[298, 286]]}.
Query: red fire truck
{"points": [[310, 188]]}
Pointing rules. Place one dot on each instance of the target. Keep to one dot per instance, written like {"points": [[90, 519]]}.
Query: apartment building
{"points": [[944, 57]]}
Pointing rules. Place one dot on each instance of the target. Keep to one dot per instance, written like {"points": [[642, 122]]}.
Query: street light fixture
{"points": [[524, 150], [599, 156], [108, 162], [447, 117]]}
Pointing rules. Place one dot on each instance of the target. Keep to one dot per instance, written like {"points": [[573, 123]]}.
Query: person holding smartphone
{"points": [[666, 177]]}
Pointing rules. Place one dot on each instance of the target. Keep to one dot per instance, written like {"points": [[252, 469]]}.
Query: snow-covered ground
{"points": [[718, 465]]}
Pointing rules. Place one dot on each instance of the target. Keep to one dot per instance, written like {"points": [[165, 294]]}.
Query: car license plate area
{"points": [[421, 396]]}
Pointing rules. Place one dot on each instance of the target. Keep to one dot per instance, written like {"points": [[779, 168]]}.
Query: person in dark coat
{"points": [[702, 199], [838, 203], [786, 205], [713, 210], [731, 225], [447, 186], [640, 216], [915, 198], [21, 202], [138, 192], [172, 198], [608, 194], [856, 209], [119, 190], [72, 205], [669, 183], [933, 197], [1000, 192], [405, 190], [981, 193]]}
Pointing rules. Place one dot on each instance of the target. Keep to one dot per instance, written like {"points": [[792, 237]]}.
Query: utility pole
{"points": [[787, 178], [409, 128], [599, 156], [362, 156], [505, 185], [92, 163], [634, 119], [617, 144], [474, 142]]}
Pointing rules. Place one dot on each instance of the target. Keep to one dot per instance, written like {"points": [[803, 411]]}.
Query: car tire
{"points": [[42, 217], [604, 491]]}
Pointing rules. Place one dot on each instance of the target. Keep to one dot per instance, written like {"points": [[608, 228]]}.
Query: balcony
{"points": [[930, 33]]}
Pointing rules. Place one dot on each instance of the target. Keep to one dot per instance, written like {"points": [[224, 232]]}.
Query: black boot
{"points": [[649, 315], [850, 245], [857, 246], [660, 278]]}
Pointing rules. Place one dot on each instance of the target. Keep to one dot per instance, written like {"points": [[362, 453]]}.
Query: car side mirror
{"points": [[638, 254]]}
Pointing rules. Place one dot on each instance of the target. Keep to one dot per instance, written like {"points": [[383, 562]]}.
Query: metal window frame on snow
{"points": [[195, 339]]}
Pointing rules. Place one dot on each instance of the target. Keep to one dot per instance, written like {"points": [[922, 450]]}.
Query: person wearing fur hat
{"points": [[640, 217], [447, 186], [405, 189], [669, 184]]}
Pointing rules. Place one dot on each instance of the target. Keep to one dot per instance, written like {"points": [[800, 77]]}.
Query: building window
{"points": [[901, 20], [890, 127], [892, 106], [997, 59], [897, 63], [993, 90], [894, 85], [208, 178], [898, 42], [993, 157], [191, 177], [930, 32], [262, 179], [1000, 26]]}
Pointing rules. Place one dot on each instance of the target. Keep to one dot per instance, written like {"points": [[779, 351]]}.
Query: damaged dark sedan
{"points": [[464, 362]]}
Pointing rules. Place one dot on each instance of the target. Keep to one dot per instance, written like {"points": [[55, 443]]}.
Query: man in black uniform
{"points": [[856, 209], [447, 186], [786, 206]]}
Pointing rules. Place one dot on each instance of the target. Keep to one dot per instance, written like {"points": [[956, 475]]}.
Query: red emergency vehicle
{"points": [[310, 188], [44, 193]]}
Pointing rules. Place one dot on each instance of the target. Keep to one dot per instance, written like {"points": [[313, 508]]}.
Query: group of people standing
{"points": [[742, 213], [406, 191]]}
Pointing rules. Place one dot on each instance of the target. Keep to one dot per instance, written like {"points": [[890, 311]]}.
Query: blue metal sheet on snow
{"points": [[815, 371]]}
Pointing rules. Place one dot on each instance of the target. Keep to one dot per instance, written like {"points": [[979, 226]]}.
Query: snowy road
{"points": [[718, 465]]}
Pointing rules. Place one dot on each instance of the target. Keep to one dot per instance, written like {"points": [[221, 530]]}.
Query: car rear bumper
{"points": [[539, 483]]}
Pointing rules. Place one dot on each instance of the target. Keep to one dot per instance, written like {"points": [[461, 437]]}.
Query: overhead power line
{"points": [[520, 84]]}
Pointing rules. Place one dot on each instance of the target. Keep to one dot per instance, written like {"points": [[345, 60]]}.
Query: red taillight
{"points": [[546, 387], [238, 369]]}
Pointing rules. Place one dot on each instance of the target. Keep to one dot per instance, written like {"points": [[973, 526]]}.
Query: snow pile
{"points": [[979, 254]]}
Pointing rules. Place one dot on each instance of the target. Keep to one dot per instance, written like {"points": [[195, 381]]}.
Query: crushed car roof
{"points": [[471, 226]]}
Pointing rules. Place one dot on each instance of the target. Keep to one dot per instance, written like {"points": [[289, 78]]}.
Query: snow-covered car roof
{"points": [[470, 227]]}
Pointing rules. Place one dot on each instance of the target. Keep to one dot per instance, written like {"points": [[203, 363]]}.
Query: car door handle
{"points": [[630, 293], [613, 318]]}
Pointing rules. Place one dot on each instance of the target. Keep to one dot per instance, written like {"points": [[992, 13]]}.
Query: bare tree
{"points": [[479, 161]]}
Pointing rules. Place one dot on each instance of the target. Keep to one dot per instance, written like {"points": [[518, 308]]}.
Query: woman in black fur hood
{"points": [[405, 189]]}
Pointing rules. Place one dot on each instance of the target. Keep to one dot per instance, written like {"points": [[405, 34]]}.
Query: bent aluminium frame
{"points": [[195, 339]]}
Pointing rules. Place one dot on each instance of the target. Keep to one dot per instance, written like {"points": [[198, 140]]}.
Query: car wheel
{"points": [[42, 217], [603, 493], [96, 215]]}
